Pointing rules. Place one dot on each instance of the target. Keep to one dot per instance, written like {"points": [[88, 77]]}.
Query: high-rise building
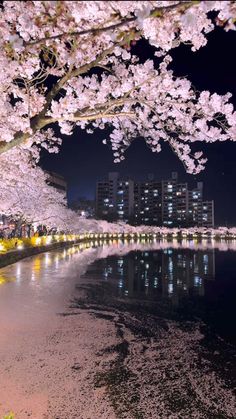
{"points": [[195, 198], [168, 202], [169, 189], [125, 199], [182, 203], [207, 216], [115, 198], [147, 203]]}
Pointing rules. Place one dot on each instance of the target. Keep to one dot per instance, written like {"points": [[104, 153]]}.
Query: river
{"points": [[120, 330]]}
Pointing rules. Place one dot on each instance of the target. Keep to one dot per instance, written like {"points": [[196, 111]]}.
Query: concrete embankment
{"points": [[14, 256]]}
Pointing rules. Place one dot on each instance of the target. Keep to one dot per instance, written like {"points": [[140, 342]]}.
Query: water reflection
{"points": [[153, 269], [169, 273]]}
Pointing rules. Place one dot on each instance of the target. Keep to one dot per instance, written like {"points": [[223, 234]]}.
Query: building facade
{"points": [[115, 198], [167, 203], [147, 203]]}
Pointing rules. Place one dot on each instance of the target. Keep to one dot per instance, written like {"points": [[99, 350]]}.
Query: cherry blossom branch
{"points": [[39, 121], [156, 12], [69, 75], [91, 117]]}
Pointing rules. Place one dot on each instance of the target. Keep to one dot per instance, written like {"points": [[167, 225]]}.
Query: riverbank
{"points": [[14, 256], [13, 250]]}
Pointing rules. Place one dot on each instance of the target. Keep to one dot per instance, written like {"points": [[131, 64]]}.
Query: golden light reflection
{"points": [[36, 268], [4, 279]]}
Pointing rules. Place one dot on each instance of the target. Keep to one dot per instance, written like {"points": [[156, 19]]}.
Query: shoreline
{"points": [[96, 240]]}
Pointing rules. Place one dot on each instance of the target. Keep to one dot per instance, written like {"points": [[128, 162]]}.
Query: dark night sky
{"points": [[83, 158]]}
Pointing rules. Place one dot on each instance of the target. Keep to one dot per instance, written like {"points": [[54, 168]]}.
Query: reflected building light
{"points": [[126, 292], [56, 260], [18, 271], [120, 283], [170, 265], [47, 259], [170, 288], [197, 281], [105, 274]]}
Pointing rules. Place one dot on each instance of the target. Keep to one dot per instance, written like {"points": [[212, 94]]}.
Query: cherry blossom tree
{"points": [[25, 194], [43, 41], [71, 63]]}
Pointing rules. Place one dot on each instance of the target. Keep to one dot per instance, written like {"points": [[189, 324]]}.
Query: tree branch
{"points": [[92, 117], [156, 12]]}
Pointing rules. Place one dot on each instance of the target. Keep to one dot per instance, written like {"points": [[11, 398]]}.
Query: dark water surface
{"points": [[176, 283], [178, 308]]}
